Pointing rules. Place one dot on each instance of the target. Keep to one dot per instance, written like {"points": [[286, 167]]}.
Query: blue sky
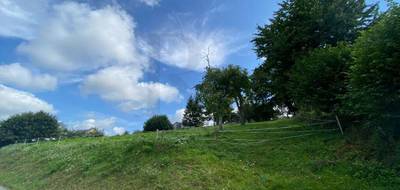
{"points": [[112, 64]]}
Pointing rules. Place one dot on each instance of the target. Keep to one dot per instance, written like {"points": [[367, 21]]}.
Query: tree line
{"points": [[320, 58]]}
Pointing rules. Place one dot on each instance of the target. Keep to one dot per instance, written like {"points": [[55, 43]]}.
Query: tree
{"points": [[194, 113], [318, 81], [298, 27], [28, 126], [237, 85], [374, 87], [214, 95], [157, 122]]}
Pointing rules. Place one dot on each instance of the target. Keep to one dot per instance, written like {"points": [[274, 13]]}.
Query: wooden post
{"points": [[25, 142], [338, 123], [38, 139], [157, 135], [59, 139]]}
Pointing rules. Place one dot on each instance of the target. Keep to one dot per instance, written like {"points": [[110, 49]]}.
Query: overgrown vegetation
{"points": [[193, 159]]}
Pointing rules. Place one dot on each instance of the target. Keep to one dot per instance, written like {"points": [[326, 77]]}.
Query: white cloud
{"points": [[17, 75], [77, 37], [121, 84], [189, 49], [119, 130], [14, 101], [109, 125], [178, 115], [19, 18], [102, 124], [151, 3]]}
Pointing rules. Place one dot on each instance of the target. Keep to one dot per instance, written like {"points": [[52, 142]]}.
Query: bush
{"points": [[28, 126], [157, 122]]}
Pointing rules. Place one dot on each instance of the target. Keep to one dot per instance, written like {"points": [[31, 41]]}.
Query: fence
{"points": [[207, 134]]}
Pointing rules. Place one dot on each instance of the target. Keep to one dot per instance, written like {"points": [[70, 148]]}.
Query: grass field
{"points": [[280, 154]]}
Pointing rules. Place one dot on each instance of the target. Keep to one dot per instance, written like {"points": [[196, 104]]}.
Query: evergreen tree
{"points": [[194, 113]]}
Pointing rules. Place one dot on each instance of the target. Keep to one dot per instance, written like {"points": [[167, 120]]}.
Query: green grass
{"points": [[197, 159]]}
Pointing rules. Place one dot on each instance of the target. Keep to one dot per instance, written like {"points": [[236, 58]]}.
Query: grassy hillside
{"points": [[279, 155]]}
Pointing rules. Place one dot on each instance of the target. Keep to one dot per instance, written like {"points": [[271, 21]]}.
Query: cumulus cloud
{"points": [[178, 115], [14, 101], [77, 37], [119, 130], [190, 49], [17, 75], [19, 18], [151, 3], [102, 123], [109, 125], [121, 84]]}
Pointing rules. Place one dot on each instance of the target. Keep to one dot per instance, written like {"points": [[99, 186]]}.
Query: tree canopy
{"points": [[28, 126], [194, 114], [298, 27]]}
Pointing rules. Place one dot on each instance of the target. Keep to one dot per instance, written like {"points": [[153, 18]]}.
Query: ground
{"points": [[280, 154]]}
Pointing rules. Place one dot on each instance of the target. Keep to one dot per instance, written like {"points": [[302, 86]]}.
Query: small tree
{"points": [[237, 85], [157, 122], [214, 95], [28, 126], [194, 114]]}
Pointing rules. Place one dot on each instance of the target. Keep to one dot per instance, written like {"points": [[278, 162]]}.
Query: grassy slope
{"points": [[189, 159]]}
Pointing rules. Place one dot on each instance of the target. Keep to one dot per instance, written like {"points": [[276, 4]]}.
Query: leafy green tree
{"points": [[157, 122], [194, 115], [28, 126], [374, 88], [261, 101], [236, 82], [214, 95], [318, 81], [298, 27]]}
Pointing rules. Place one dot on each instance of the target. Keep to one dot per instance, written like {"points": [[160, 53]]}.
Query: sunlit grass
{"points": [[197, 158]]}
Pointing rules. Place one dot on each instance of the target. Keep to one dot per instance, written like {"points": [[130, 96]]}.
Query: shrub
{"points": [[160, 122], [28, 126]]}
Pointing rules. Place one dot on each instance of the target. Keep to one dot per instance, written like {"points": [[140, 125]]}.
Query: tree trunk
{"points": [[220, 123], [242, 117], [241, 111]]}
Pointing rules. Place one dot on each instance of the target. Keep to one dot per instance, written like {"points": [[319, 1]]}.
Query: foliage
{"points": [[236, 82], [157, 122], [261, 111], [181, 160], [28, 126], [194, 115], [374, 75], [298, 27], [318, 80], [374, 87], [214, 95], [222, 87]]}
